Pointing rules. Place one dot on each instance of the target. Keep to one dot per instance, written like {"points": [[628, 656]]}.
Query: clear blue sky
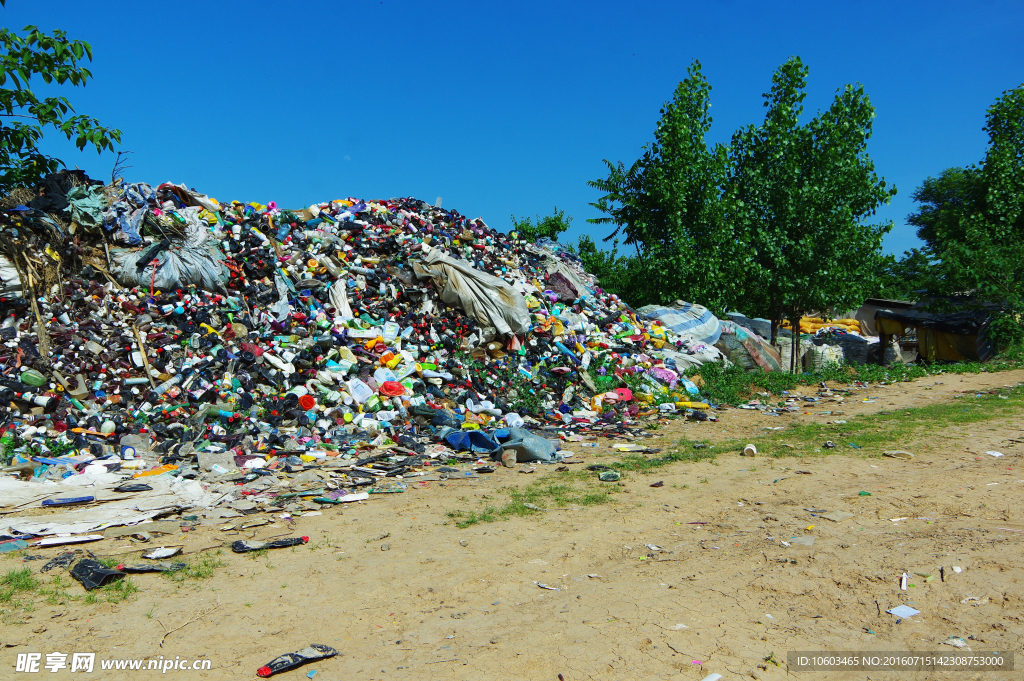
{"points": [[506, 107]]}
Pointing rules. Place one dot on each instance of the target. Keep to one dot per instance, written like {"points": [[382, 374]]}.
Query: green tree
{"points": [[549, 226], [668, 205], [946, 201], [613, 271], [907, 278], [800, 196], [24, 116], [983, 252]]}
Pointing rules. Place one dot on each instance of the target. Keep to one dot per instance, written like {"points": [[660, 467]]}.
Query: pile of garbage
{"points": [[165, 352]]}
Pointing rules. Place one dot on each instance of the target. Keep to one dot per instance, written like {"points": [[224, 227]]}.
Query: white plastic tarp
{"points": [[485, 298]]}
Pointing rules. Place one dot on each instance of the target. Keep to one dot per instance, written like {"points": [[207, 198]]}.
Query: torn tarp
{"points": [[485, 298]]}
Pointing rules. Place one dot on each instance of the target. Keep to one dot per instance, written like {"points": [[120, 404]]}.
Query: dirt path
{"points": [[720, 592]]}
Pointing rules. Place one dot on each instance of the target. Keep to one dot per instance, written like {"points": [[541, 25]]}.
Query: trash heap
{"points": [[163, 351]]}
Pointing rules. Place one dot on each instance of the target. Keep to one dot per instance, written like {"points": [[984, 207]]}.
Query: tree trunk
{"points": [[794, 355]]}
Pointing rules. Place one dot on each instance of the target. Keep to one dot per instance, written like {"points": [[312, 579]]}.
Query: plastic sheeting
{"points": [[485, 298], [745, 348], [686, 319], [9, 279], [194, 260], [695, 356], [529, 447], [86, 205]]}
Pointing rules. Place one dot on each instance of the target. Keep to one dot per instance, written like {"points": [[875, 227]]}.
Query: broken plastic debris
{"points": [[162, 552], [94, 574], [243, 546], [288, 661]]}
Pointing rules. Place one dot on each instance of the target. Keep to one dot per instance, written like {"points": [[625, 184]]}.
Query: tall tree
{"points": [[946, 201], [800, 196], [668, 204], [24, 116], [984, 251]]}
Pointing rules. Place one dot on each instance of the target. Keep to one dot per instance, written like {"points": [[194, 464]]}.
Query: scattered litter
{"points": [[995, 454], [898, 454], [549, 588]]}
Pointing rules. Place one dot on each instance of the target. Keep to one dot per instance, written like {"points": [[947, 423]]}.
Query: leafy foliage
{"points": [[946, 201], [668, 204], [613, 271], [907, 278], [982, 251], [52, 58], [549, 226], [800, 195]]}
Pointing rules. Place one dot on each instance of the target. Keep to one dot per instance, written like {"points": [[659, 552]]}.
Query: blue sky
{"points": [[507, 107]]}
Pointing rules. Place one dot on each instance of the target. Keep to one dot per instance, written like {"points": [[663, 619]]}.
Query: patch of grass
{"points": [[201, 567], [684, 451], [119, 590], [886, 431], [734, 385], [56, 591], [17, 582], [556, 490]]}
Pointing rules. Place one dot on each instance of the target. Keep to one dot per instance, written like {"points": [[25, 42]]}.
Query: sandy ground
{"points": [[429, 600]]}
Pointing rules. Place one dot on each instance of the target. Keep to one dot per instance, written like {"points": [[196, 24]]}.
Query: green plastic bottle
{"points": [[33, 378]]}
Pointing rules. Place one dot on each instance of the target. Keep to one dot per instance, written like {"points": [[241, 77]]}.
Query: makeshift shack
{"points": [[954, 336]]}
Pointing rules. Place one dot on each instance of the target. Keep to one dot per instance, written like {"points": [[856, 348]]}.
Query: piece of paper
{"points": [[837, 516], [903, 611]]}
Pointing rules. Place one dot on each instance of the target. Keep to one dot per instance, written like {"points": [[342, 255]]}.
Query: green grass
{"points": [[684, 451], [56, 591], [201, 567], [734, 385], [118, 590], [15, 582], [900, 429], [558, 489]]}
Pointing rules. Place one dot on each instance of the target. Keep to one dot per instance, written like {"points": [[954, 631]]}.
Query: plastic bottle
{"points": [[360, 391]]}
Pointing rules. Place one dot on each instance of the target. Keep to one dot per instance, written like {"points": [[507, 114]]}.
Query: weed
{"points": [[149, 614], [703, 481], [733, 385], [201, 567], [120, 590], [638, 463], [16, 581], [874, 433], [56, 593], [559, 489]]}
